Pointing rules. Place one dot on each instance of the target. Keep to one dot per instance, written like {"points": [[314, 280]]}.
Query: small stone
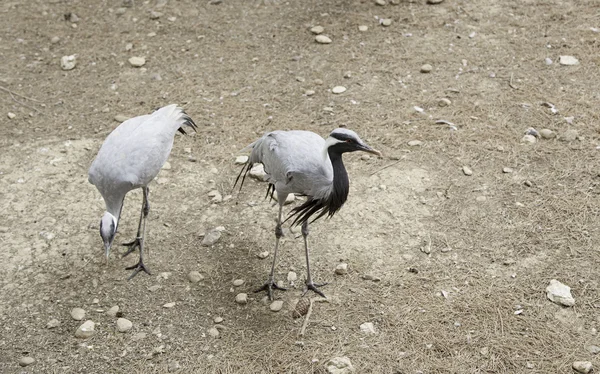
{"points": [[319, 82], [548, 61], [529, 139], [53, 323], [371, 277], [164, 275], [467, 170], [128, 47], [195, 276], [341, 269], [292, 276], [444, 102], [593, 349], [68, 62], [367, 328], [339, 365], [139, 336], [121, 118], [155, 15], [120, 11], [309, 92], [433, 2], [317, 30], [86, 330], [263, 255], [11, 115], [213, 332], [386, 22], [559, 293], [258, 172], [568, 60], [363, 28], [112, 312], [154, 288], [124, 325], [172, 19], [137, 61], [241, 160], [507, 170], [569, 135], [241, 298], [55, 39], [338, 89], [480, 199], [169, 305], [380, 2], [583, 367], [427, 68], [26, 361], [276, 305], [173, 366], [211, 237], [322, 39], [415, 143], [77, 314], [238, 282], [218, 319]]}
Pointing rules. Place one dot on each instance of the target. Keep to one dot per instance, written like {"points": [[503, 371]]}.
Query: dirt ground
{"points": [[463, 261]]}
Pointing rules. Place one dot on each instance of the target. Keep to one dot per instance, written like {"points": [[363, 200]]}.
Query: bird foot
{"points": [[133, 245], [269, 286], [137, 268], [315, 288]]}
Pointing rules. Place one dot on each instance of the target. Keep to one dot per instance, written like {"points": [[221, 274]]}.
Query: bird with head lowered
{"points": [[303, 163]]}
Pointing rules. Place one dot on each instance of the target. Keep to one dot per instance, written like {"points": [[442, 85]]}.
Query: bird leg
{"points": [[138, 242], [270, 284], [309, 282]]}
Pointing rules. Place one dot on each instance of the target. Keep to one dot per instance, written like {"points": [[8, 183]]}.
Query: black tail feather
{"points": [[245, 169], [271, 189], [187, 121]]}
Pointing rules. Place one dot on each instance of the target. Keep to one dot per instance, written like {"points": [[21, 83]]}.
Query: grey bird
{"points": [[303, 163], [130, 158]]}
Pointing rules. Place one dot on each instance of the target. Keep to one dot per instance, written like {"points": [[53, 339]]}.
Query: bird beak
{"points": [[366, 148]]}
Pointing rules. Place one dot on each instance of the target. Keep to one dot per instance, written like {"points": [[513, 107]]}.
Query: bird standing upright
{"points": [[303, 163], [130, 158]]}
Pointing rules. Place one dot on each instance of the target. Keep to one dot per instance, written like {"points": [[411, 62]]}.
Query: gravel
{"points": [[86, 330], [124, 325], [78, 314]]}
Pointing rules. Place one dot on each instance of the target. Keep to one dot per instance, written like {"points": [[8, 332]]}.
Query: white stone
{"points": [[433, 2], [169, 305], [415, 143], [55, 39], [363, 28], [124, 325], [317, 30], [77, 314], [309, 92], [241, 298], [258, 172], [292, 276], [529, 139], [568, 60], [11, 115], [593, 349], [569, 135], [583, 367], [218, 319], [467, 170], [113, 311], [53, 323], [559, 293], [195, 276], [276, 305], [238, 282], [241, 160], [427, 68], [380, 2], [263, 255], [341, 269], [444, 102], [367, 328], [211, 238], [322, 39], [507, 170], [86, 330], [26, 361], [137, 61], [213, 332], [339, 365], [68, 62], [338, 89]]}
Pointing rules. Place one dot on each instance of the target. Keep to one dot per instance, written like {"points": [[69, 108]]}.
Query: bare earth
{"points": [[241, 68]]}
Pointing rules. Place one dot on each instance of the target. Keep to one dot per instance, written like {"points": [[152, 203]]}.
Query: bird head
{"points": [[108, 229], [343, 140]]}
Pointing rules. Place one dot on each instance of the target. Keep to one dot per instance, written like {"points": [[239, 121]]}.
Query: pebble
{"points": [[86, 330], [380, 2], [112, 312], [593, 349], [258, 172], [427, 68], [415, 143], [124, 325], [139, 336], [547, 134], [241, 298], [154, 288], [128, 46], [386, 22], [3, 229], [319, 82], [467, 170], [77, 314], [367, 328], [173, 366], [341, 269], [120, 11], [213, 332], [444, 102], [322, 39], [529, 139], [317, 30], [218, 319], [338, 89], [568, 60], [155, 15], [169, 305], [241, 160], [433, 2], [559, 293], [480, 199], [26, 361], [195, 276], [583, 367], [263, 255], [507, 170], [55, 39], [363, 28], [53, 323], [11, 115], [137, 61], [548, 61], [121, 118], [211, 237], [339, 365], [276, 305], [309, 92], [371, 277], [238, 282], [569, 135], [68, 62], [292, 276]]}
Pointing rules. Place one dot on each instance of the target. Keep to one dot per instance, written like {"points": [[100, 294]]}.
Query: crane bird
{"points": [[130, 158], [303, 163]]}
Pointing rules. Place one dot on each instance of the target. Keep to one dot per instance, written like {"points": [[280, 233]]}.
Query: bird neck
{"points": [[114, 207], [341, 184]]}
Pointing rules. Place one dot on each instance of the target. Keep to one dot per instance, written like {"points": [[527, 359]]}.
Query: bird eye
{"points": [[349, 140]]}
